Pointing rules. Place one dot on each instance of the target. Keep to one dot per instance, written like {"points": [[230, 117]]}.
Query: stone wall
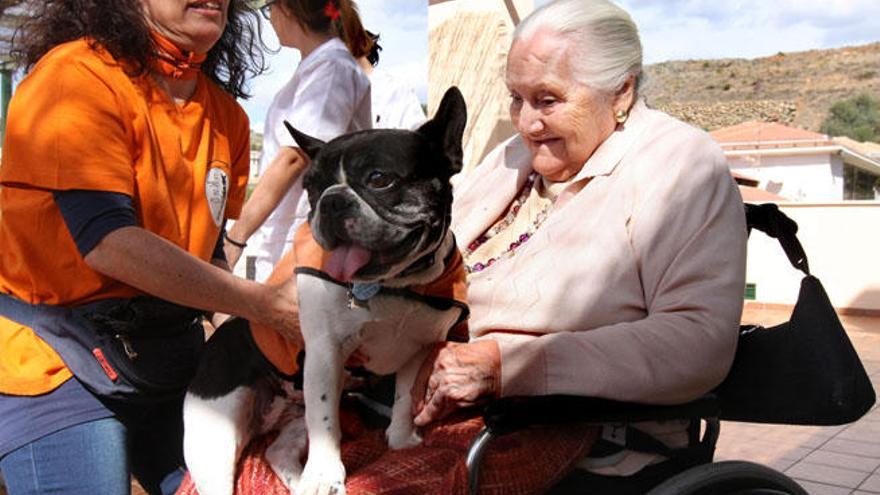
{"points": [[711, 116]]}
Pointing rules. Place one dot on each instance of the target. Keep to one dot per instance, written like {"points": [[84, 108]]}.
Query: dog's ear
{"points": [[308, 144], [447, 127]]}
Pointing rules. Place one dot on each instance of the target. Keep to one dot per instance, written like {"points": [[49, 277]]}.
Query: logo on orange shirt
{"points": [[217, 189]]}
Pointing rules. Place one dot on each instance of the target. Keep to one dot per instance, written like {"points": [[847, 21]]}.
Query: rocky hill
{"points": [[792, 88]]}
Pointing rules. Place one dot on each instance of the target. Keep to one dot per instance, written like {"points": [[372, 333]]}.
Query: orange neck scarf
{"points": [[171, 61]]}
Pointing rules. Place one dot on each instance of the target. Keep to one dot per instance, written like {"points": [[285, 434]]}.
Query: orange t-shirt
{"points": [[78, 121]]}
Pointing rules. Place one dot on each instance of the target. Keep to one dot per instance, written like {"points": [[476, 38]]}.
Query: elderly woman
{"points": [[125, 151], [605, 245]]}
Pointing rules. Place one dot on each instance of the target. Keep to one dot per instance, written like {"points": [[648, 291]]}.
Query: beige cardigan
{"points": [[632, 288]]}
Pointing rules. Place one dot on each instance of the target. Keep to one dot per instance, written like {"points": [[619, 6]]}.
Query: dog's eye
{"points": [[379, 180]]}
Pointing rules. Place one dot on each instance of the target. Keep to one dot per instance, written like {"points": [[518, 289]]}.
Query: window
{"points": [[858, 183]]}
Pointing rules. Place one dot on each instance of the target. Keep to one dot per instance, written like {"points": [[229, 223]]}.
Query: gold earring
{"points": [[621, 116]]}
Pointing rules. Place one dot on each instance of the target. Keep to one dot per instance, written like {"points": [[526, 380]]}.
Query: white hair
{"points": [[604, 45]]}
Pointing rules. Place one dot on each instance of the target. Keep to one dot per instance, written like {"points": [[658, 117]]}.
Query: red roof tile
{"points": [[756, 195], [762, 132]]}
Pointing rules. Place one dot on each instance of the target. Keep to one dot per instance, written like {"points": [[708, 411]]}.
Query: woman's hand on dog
{"points": [[455, 376], [282, 311], [278, 308]]}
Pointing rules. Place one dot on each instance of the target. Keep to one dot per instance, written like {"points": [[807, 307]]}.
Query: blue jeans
{"points": [[99, 457]]}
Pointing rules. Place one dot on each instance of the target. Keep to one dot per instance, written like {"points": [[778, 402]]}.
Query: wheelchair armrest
{"points": [[512, 413]]}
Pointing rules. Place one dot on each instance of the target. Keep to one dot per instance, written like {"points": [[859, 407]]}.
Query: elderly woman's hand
{"points": [[454, 376]]}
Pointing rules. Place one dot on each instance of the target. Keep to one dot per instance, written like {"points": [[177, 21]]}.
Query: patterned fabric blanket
{"points": [[526, 462]]}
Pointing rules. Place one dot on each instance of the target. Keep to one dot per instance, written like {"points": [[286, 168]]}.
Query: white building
{"points": [[800, 165]]}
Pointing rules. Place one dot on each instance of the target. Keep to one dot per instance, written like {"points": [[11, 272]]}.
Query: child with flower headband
{"points": [[340, 16], [327, 96]]}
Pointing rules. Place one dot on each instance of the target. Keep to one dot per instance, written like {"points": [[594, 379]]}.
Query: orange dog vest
{"points": [[450, 289]]}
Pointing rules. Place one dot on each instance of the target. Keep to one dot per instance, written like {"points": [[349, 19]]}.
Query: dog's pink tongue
{"points": [[345, 261]]}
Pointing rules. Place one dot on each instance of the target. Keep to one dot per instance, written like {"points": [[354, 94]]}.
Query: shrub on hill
{"points": [[857, 117]]}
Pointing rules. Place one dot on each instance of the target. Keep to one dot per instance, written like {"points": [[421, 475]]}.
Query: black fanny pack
{"points": [[142, 349]]}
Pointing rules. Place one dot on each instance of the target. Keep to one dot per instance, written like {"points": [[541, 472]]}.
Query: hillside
{"points": [[792, 88]]}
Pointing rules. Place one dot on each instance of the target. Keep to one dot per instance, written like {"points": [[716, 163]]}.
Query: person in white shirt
{"points": [[327, 96], [394, 102]]}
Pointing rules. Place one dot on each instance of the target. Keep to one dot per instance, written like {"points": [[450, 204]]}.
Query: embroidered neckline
{"points": [[500, 226]]}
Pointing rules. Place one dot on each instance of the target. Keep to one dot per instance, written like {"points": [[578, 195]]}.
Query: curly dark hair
{"points": [[120, 28]]}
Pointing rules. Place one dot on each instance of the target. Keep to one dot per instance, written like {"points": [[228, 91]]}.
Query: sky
{"points": [[701, 29], [670, 30]]}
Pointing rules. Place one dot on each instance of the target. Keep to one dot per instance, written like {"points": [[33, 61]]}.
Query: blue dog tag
{"points": [[363, 292]]}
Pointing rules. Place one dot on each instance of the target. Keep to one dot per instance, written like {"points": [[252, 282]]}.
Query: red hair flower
{"points": [[331, 11]]}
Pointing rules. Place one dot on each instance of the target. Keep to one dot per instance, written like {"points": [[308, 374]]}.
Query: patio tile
{"points": [[844, 446], [805, 436], [846, 461], [774, 461], [873, 415], [780, 465], [822, 489], [862, 431], [826, 474], [761, 451], [872, 484]]}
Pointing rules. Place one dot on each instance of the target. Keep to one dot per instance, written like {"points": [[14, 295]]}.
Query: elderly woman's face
{"points": [[193, 25], [561, 120]]}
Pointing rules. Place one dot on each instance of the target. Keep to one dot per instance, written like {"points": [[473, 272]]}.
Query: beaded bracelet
{"points": [[240, 245]]}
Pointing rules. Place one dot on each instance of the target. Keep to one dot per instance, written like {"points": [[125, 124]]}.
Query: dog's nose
{"points": [[337, 213], [334, 204]]}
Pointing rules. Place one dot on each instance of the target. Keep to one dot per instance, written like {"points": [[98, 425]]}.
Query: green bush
{"points": [[857, 117], [256, 141]]}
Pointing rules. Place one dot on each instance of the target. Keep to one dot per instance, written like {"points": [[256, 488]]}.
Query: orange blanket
{"points": [[525, 462]]}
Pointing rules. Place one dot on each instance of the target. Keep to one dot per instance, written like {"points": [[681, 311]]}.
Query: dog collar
{"points": [[360, 294], [428, 260]]}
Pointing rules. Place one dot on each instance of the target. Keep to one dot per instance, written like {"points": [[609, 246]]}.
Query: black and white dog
{"points": [[380, 212]]}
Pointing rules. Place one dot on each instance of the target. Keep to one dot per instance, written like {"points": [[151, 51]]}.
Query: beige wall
{"points": [[799, 177], [468, 45], [842, 242]]}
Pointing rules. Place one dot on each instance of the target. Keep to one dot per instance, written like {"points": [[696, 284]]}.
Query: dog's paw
{"points": [[284, 462], [402, 438], [290, 480], [322, 478]]}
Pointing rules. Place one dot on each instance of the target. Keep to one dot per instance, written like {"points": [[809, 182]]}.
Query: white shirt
{"points": [[395, 104], [327, 96]]}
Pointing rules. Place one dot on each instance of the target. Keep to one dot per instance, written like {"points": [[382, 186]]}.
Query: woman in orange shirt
{"points": [[124, 154]]}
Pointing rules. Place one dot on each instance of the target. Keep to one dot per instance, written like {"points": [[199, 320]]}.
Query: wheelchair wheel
{"points": [[729, 478]]}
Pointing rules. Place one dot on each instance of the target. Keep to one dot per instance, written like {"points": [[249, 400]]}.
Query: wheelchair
{"points": [[691, 470]]}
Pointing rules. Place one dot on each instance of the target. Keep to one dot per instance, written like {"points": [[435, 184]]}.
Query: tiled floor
{"points": [[838, 460]]}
